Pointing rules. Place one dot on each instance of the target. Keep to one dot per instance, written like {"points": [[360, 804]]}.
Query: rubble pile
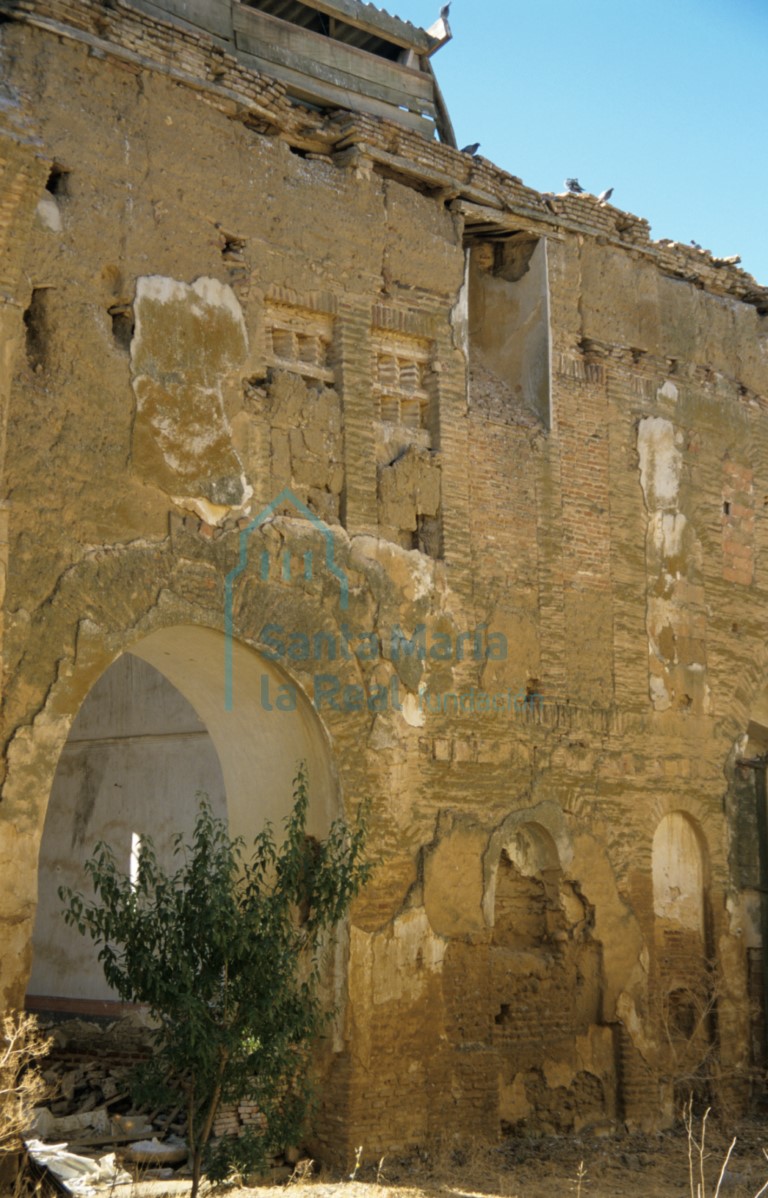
{"points": [[90, 1064], [91, 1112]]}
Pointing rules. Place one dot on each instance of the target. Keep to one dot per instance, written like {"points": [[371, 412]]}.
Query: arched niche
{"points": [[153, 732], [683, 998], [679, 870], [526, 887]]}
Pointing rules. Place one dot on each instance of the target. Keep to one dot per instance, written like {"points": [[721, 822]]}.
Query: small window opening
{"points": [[726, 508], [58, 181], [36, 322], [133, 872], [233, 249], [123, 325]]}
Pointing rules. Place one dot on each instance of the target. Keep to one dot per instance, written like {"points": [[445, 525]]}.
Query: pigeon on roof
{"points": [[574, 186], [605, 196], [471, 149]]}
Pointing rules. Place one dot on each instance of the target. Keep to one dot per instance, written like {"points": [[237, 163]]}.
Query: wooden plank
{"points": [[266, 28], [307, 66], [442, 116], [479, 218], [215, 16], [317, 91], [376, 23]]}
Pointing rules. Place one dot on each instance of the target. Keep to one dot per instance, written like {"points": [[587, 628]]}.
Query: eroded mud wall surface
{"points": [[384, 461]]}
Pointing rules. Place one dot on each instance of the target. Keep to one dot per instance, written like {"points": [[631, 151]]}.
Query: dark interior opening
{"points": [[36, 323]]}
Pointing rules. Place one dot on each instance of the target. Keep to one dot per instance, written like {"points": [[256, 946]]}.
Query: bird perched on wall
{"points": [[471, 149], [444, 11], [574, 186], [605, 196]]}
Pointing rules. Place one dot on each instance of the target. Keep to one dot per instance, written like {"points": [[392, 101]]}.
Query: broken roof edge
{"points": [[343, 134], [379, 22]]}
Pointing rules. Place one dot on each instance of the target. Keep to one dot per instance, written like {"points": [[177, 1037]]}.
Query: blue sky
{"points": [[664, 101]]}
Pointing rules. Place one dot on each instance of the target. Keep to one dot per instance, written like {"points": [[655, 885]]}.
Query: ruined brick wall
{"points": [[514, 595]]}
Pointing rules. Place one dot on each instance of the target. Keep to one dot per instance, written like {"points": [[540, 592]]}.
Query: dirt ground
{"points": [[611, 1166], [586, 1166]]}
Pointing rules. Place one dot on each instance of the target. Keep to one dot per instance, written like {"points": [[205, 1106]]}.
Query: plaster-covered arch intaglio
{"points": [[152, 730]]}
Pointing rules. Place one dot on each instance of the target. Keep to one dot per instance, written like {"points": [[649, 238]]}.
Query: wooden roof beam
{"points": [[377, 23]]}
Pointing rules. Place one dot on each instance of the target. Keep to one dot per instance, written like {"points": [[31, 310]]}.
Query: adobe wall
{"points": [[549, 454]]}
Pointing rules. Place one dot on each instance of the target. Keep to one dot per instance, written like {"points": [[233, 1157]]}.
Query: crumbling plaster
{"points": [[220, 312]]}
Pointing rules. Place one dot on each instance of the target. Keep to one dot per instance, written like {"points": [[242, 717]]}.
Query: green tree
{"points": [[226, 953]]}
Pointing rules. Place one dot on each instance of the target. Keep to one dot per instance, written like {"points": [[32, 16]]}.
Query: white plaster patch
{"points": [[668, 390], [460, 311], [668, 530], [412, 712], [661, 462], [49, 214], [219, 295], [659, 693]]}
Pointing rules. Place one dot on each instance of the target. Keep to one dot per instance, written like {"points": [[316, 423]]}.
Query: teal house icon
{"points": [[307, 569]]}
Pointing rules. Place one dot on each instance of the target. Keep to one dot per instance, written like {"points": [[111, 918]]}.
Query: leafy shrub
{"points": [[226, 954]]}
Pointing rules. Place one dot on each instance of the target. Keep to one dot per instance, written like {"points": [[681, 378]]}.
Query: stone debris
{"points": [[89, 1071], [78, 1174]]}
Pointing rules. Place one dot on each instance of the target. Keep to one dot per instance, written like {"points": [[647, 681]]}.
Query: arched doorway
{"points": [[151, 733]]}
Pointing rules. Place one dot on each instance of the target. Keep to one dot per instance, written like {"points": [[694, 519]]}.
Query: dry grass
{"points": [[616, 1166], [21, 1088]]}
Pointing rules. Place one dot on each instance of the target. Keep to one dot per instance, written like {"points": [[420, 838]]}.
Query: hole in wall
{"points": [[123, 325], [503, 1015], [58, 181], [36, 324], [726, 508], [233, 249]]}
